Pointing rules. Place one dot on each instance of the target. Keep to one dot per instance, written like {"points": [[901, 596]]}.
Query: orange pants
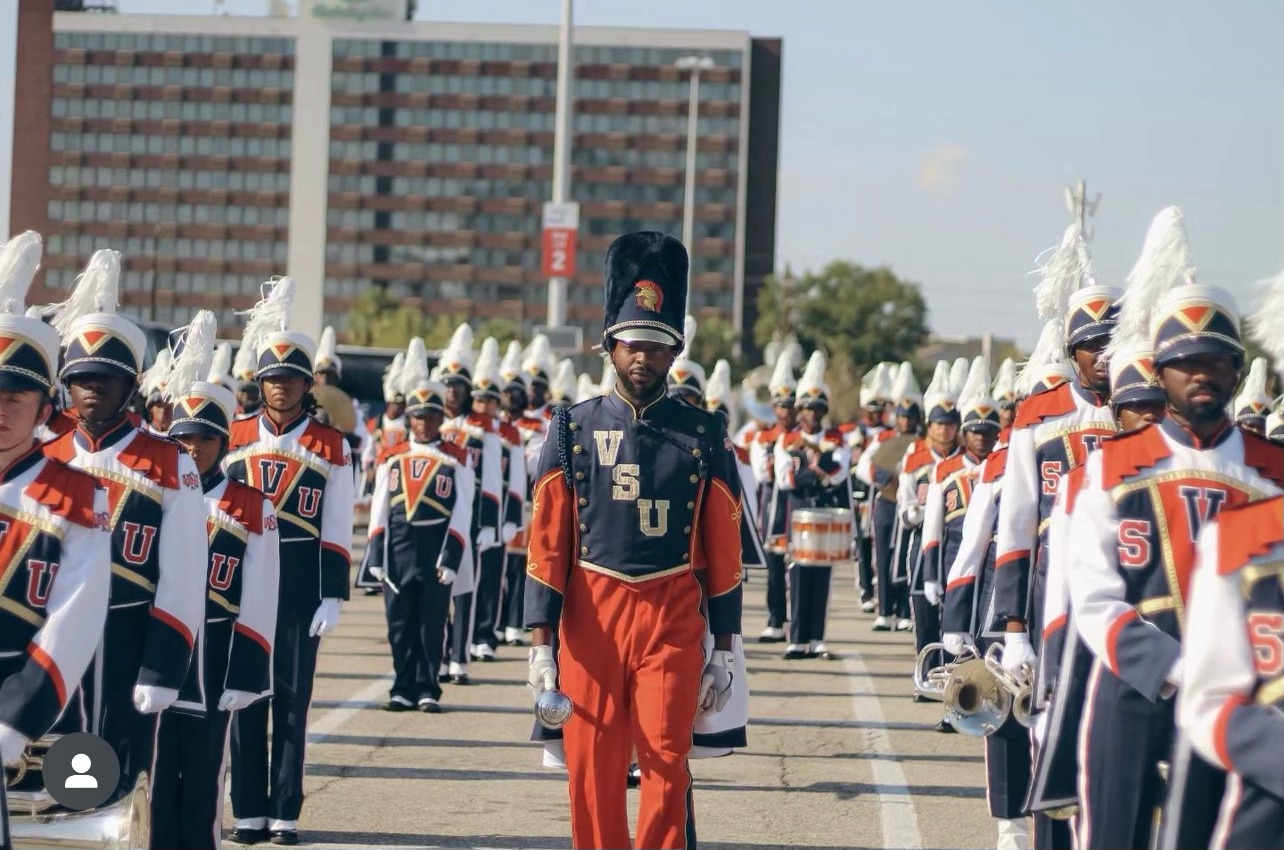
{"points": [[631, 661]]}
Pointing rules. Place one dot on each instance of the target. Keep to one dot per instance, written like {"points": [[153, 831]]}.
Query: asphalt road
{"points": [[839, 756]]}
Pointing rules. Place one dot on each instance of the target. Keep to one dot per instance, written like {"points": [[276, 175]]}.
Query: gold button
{"points": [[699, 429], [695, 452], [583, 550], [574, 426], [686, 530], [578, 449], [686, 556], [691, 506], [583, 503], [583, 528], [695, 478], [579, 476]]}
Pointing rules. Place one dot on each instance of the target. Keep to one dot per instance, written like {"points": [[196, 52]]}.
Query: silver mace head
{"points": [[553, 709]]}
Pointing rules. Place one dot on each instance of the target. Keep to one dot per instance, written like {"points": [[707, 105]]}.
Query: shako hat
{"points": [[327, 360], [686, 375], [201, 407], [977, 408], [812, 390], [96, 340], [28, 346], [423, 395], [939, 399], [487, 380], [646, 289]]}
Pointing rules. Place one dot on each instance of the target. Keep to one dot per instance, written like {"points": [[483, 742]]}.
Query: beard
{"points": [[641, 384]]}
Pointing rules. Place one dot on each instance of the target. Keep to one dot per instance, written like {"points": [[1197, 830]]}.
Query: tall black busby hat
{"points": [[646, 289]]}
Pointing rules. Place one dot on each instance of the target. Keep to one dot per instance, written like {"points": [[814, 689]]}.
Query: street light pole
{"points": [[694, 64], [562, 138]]}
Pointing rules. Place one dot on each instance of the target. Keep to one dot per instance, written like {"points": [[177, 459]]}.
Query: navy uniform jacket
{"points": [[421, 511], [637, 495], [1231, 704], [158, 553], [969, 568], [1145, 497], [304, 470], [56, 554]]}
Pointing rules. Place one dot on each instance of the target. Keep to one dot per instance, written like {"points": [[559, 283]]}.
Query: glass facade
{"points": [[175, 150], [458, 137]]}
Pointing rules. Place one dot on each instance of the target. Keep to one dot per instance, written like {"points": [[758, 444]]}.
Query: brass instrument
{"points": [[1022, 691], [37, 820], [976, 703]]}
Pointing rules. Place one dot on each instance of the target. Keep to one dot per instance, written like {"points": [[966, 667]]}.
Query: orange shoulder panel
{"points": [[63, 423], [1264, 456], [389, 452], [742, 454], [477, 420], [509, 432], [244, 504], [459, 453], [846, 427], [1128, 454], [995, 465], [61, 448], [65, 491], [1057, 401], [918, 459], [948, 467], [325, 441], [244, 432], [154, 457], [1248, 531]]}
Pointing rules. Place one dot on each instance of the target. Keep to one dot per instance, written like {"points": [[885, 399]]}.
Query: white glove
{"points": [[715, 683], [151, 699], [234, 700], [509, 531], [542, 673], [326, 618], [12, 745], [1017, 653], [445, 576], [486, 539], [913, 516], [933, 592], [956, 642]]}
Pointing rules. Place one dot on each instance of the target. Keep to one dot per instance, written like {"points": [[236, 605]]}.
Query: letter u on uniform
{"points": [[661, 527]]}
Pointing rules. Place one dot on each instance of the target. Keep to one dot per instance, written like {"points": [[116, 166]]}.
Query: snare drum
{"points": [[820, 536]]}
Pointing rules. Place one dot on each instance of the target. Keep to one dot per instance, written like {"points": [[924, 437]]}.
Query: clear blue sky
{"points": [[937, 137]]}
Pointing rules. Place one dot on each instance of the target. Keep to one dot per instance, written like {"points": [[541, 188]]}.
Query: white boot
{"points": [[1013, 835]]}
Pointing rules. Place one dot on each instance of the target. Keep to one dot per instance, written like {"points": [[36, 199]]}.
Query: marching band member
{"points": [[159, 411], [420, 522], [951, 484], [514, 401], [629, 604], [1230, 706], [249, 397], [240, 610], [1142, 502], [940, 400], [880, 467], [158, 550], [487, 384], [61, 515], [1136, 401], [874, 391], [304, 468], [388, 429], [539, 366], [1253, 404], [771, 503], [563, 388], [1004, 393], [474, 433], [812, 469]]}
